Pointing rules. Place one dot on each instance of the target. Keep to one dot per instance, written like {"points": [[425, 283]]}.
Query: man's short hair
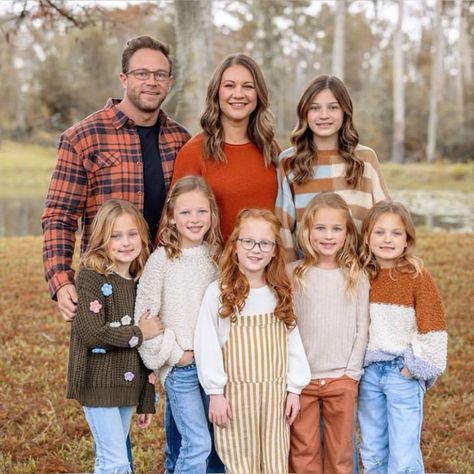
{"points": [[144, 42]]}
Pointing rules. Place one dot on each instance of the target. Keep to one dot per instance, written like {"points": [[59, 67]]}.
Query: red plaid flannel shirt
{"points": [[99, 158]]}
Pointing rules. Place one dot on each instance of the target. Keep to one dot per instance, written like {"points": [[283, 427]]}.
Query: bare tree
{"points": [[398, 137], [437, 46], [193, 26], [339, 40]]}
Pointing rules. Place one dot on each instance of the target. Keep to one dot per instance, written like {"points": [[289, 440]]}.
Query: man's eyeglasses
{"points": [[263, 245], [144, 74]]}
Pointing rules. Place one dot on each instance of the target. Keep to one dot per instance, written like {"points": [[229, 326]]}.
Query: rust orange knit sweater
{"points": [[243, 181]]}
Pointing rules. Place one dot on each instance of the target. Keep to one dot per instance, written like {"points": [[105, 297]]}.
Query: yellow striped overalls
{"points": [[256, 439]]}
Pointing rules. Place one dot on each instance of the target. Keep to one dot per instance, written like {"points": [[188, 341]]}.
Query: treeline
{"points": [[407, 64]]}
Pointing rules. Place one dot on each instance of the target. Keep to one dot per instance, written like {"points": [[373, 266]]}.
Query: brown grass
{"points": [[42, 432]]}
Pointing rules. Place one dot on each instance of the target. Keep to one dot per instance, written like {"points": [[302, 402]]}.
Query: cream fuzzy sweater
{"points": [[173, 290]]}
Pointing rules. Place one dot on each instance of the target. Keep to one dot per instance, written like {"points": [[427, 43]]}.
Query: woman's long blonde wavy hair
{"points": [[234, 284], [260, 127], [168, 236], [300, 162], [97, 257], [407, 262], [346, 258]]}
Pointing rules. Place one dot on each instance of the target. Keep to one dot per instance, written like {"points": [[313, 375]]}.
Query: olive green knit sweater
{"points": [[105, 368]]}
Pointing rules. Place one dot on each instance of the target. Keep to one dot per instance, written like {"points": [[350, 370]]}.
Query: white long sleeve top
{"points": [[212, 332], [173, 290]]}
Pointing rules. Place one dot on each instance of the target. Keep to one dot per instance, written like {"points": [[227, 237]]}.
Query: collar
{"points": [[119, 119]]}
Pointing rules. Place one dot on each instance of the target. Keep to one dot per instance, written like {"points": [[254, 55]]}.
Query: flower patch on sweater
{"points": [[106, 289], [128, 376], [95, 306]]}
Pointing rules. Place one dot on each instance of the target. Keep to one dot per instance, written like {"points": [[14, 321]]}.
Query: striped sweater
{"points": [[407, 320], [328, 175]]}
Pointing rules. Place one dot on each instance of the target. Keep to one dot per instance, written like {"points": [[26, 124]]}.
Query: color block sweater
{"points": [[243, 181], [328, 175], [105, 368], [334, 326], [173, 289], [407, 320]]}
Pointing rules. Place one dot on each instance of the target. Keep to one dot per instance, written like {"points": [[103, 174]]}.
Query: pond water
{"points": [[436, 210]]}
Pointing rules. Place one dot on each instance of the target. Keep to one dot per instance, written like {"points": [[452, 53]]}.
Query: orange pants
{"points": [[333, 401]]}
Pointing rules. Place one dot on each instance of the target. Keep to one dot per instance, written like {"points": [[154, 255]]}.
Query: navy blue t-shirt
{"points": [[153, 180]]}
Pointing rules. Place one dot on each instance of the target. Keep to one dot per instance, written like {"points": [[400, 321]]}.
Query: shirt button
{"points": [[139, 163], [322, 382], [139, 193]]}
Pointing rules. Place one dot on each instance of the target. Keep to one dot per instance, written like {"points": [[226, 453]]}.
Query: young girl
{"points": [[331, 300], [105, 373], [248, 350], [407, 343], [326, 156], [172, 285]]}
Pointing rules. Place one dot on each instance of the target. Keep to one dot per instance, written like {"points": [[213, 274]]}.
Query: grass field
{"points": [[42, 432]]}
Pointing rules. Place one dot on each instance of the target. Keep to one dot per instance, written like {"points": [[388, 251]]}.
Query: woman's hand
{"points": [[292, 407], [406, 373], [219, 410], [144, 420]]}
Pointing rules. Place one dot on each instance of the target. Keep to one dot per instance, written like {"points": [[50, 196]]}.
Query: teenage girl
{"points": [[326, 156], [248, 350], [172, 285], [331, 298], [105, 373], [407, 347]]}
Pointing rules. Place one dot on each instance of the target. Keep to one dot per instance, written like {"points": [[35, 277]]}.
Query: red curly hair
{"points": [[234, 284]]}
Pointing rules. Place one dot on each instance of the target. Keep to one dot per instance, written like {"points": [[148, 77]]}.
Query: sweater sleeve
{"points": [[146, 402], [426, 356], [285, 210], [207, 349], [91, 323], [163, 349], [356, 359], [298, 373]]}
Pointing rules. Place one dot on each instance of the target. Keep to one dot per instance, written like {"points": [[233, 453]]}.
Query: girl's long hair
{"points": [[97, 257], [300, 162], [234, 284], [260, 127], [407, 262], [168, 236], [346, 257]]}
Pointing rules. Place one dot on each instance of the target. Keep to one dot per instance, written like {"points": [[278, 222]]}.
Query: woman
{"points": [[236, 151]]}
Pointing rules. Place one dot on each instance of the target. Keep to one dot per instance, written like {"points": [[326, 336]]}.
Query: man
{"points": [[125, 150]]}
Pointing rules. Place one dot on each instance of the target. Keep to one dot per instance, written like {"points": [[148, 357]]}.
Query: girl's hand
{"points": [[186, 358], [219, 410], [292, 407], [406, 373], [150, 326], [144, 420]]}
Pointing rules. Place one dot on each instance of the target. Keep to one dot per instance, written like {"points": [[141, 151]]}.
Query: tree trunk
{"points": [[437, 46], [194, 58], [339, 40], [398, 138]]}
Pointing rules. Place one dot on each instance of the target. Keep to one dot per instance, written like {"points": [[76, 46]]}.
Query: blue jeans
{"points": [[390, 418], [110, 427], [173, 441], [184, 395]]}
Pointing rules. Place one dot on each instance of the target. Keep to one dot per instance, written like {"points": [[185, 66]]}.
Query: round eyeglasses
{"points": [[263, 245]]}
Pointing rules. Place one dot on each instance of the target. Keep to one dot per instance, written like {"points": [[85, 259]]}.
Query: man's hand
{"points": [[67, 301], [219, 410]]}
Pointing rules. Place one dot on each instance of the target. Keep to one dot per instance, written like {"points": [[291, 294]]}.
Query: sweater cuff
{"points": [[295, 390], [175, 355], [214, 391]]}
